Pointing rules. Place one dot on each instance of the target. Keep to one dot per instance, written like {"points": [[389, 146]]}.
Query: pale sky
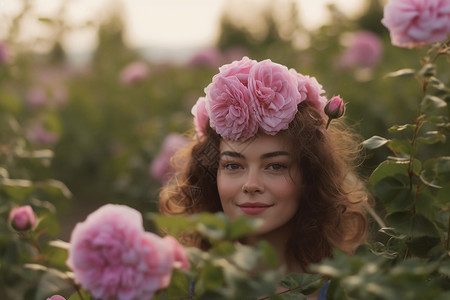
{"points": [[163, 23]]}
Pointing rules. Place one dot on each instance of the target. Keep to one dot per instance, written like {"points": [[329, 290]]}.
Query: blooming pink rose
{"points": [[161, 168], [240, 69], [114, 258], [275, 94], [365, 50], [200, 116], [228, 103], [22, 218], [134, 72], [413, 23], [310, 90], [56, 297], [335, 107]]}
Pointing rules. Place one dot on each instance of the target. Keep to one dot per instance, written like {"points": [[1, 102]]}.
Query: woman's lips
{"points": [[254, 208]]}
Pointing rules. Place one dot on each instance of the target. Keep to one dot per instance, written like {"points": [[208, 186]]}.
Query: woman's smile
{"points": [[254, 208]]}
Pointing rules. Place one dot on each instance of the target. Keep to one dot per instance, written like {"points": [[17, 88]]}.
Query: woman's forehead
{"points": [[259, 144]]}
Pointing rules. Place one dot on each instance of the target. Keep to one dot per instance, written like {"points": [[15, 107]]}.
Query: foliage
{"points": [[109, 132]]}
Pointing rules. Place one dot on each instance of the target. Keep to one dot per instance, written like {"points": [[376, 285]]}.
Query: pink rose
{"points": [[365, 50], [56, 297], [160, 167], [275, 94], [134, 72], [310, 90], [335, 107], [228, 103], [240, 69], [114, 258], [200, 117], [413, 23], [22, 218]]}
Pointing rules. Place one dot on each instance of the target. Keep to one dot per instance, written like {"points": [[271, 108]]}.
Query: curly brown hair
{"points": [[331, 211]]}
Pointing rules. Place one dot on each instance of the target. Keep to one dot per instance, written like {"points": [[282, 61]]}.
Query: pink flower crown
{"points": [[247, 95]]}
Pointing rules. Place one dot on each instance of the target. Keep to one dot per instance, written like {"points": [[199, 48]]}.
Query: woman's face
{"points": [[257, 178]]}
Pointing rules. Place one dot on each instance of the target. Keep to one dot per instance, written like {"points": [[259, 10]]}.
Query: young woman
{"points": [[262, 149]]}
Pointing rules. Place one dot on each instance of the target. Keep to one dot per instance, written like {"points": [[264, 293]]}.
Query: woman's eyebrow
{"points": [[275, 153], [232, 154]]}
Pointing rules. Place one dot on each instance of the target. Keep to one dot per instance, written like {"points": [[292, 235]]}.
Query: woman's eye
{"points": [[276, 167], [231, 166]]}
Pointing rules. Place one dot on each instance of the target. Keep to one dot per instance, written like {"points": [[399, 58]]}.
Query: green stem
{"points": [[448, 233]]}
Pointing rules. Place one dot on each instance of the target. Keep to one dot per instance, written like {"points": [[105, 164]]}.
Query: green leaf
{"points": [[428, 70], [179, 285], [421, 246], [242, 226], [437, 84], [211, 226], [413, 225], [431, 137], [432, 102], [54, 188], [211, 277], [308, 283], [415, 267], [81, 295], [174, 224], [401, 147], [222, 248], [374, 142], [425, 204], [402, 73], [17, 189], [393, 168], [444, 268], [60, 244], [436, 172], [395, 193], [52, 282], [269, 255], [397, 128]]}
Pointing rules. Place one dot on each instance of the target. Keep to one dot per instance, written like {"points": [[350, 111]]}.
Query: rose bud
{"points": [[22, 218], [56, 297], [335, 107]]}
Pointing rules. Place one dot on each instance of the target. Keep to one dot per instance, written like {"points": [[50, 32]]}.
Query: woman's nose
{"points": [[253, 183]]}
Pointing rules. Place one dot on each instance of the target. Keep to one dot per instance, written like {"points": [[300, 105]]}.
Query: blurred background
{"points": [[94, 87]]}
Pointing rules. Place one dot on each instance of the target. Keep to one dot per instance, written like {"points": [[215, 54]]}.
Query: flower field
{"points": [[85, 149]]}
